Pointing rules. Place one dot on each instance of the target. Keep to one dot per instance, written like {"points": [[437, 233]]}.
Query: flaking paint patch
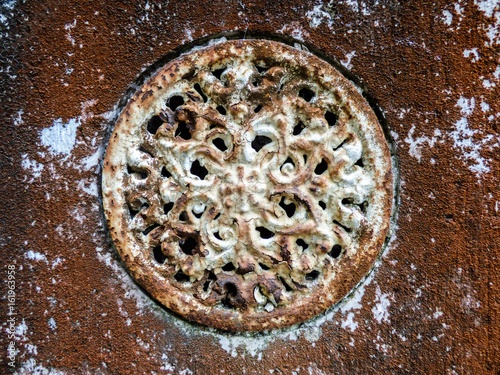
{"points": [[465, 139], [381, 309], [318, 15], [32, 166], [30, 367], [471, 52], [416, 145], [348, 57], [60, 138]]}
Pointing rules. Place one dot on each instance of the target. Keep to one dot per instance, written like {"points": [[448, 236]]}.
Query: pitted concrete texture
{"points": [[432, 302]]}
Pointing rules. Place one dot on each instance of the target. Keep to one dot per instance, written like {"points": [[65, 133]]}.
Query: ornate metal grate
{"points": [[248, 185]]}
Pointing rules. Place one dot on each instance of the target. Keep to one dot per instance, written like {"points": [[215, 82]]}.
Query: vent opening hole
{"points": [[257, 81], [346, 201], [147, 152], [221, 110], [132, 212], [181, 277], [139, 173], [183, 131], [289, 208], [175, 101], [306, 94], [313, 275], [321, 167], [206, 286], [198, 170], [228, 267], [363, 206], [264, 232], [167, 207], [322, 205], [218, 72], [298, 128], [258, 108], [198, 89], [305, 158], [260, 141], [158, 254], [359, 163], [335, 252], [342, 226], [197, 215], [331, 118], [288, 161], [217, 235], [220, 144], [154, 124], [150, 228], [264, 267], [303, 244], [183, 216], [188, 244], [261, 69], [165, 172], [288, 288]]}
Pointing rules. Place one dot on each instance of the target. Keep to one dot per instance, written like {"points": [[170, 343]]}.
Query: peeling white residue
{"points": [[380, 310], [68, 28], [52, 324], [186, 372], [488, 6], [88, 187], [18, 120], [485, 107], [466, 141], [188, 35], [166, 364], [31, 165], [437, 314], [347, 62], [318, 15], [473, 52], [30, 368], [447, 17], [60, 138], [31, 349], [6, 8], [418, 143], [466, 105], [92, 161], [470, 302], [34, 256], [295, 30], [57, 262], [491, 10], [20, 331]]}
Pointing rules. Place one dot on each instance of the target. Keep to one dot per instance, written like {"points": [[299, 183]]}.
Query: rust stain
{"points": [[432, 304]]}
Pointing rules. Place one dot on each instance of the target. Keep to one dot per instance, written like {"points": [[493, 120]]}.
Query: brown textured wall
{"points": [[432, 304]]}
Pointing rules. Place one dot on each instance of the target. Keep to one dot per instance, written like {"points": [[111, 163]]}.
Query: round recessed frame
{"points": [[248, 186]]}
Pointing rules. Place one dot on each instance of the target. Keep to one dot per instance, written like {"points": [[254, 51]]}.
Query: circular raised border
{"points": [[355, 261]]}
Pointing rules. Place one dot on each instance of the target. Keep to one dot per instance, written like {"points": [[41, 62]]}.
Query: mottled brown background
{"points": [[432, 304]]}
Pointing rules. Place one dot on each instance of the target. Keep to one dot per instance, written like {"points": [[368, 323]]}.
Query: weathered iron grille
{"points": [[248, 185]]}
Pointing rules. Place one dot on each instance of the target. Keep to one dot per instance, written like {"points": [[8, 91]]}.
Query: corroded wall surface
{"points": [[432, 303]]}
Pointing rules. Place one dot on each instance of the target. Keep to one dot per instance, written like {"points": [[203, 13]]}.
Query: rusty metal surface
{"points": [[250, 235], [432, 302]]}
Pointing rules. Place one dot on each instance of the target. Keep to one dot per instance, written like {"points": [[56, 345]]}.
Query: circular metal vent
{"points": [[248, 185]]}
